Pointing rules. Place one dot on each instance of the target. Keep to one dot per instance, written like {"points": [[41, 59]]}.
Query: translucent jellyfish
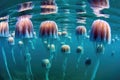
{"points": [[79, 52], [48, 31], [24, 31], [98, 5], [47, 65], [81, 33], [21, 44], [4, 33], [48, 7], [65, 49], [100, 35], [52, 49], [88, 62], [25, 6], [11, 42]]}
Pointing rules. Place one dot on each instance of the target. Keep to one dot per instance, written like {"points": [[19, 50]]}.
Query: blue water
{"points": [[109, 68]]}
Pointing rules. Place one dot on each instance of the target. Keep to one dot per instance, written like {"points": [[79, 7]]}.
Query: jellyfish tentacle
{"points": [[78, 61], [13, 56], [96, 69], [47, 74], [64, 66], [29, 73], [32, 44], [6, 65]]}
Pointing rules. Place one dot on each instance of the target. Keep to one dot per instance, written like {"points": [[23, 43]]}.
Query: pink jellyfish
{"points": [[4, 33], [81, 33], [24, 31], [48, 7], [100, 34], [49, 30]]}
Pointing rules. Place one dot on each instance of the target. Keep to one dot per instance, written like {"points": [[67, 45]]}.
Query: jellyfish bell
{"points": [[64, 33], [79, 50], [48, 29], [81, 30], [24, 28], [46, 63], [59, 33], [88, 61], [100, 49], [4, 29], [51, 47], [100, 32], [20, 43], [65, 49], [11, 40]]}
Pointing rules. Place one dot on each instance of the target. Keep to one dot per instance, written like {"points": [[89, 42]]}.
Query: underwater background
{"points": [[69, 15]]}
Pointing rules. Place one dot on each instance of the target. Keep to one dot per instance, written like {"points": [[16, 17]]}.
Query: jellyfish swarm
{"points": [[24, 31], [100, 34], [65, 49], [12, 43], [47, 65], [48, 7], [49, 31], [81, 34], [4, 32], [98, 5], [79, 52]]}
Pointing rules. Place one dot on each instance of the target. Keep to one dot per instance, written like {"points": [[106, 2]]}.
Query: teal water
{"points": [[67, 19]]}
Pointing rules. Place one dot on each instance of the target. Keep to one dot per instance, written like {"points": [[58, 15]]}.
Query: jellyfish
{"points": [[47, 65], [25, 6], [87, 63], [98, 6], [48, 31], [12, 43], [29, 73], [81, 34], [4, 33], [64, 35], [100, 35], [52, 49], [65, 49], [48, 7], [20, 44], [79, 51], [24, 31]]}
